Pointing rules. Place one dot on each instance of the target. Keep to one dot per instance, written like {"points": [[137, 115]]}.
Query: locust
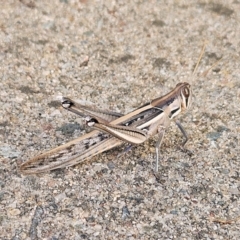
{"points": [[112, 129]]}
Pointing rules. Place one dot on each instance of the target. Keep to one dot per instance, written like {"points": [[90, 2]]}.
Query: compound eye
{"points": [[186, 92]]}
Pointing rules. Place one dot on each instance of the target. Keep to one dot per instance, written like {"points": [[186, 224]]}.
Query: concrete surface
{"points": [[137, 50]]}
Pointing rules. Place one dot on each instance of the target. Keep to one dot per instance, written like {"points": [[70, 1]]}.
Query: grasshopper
{"points": [[113, 129]]}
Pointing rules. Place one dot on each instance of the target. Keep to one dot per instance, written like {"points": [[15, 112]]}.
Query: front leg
{"points": [[161, 132], [183, 131]]}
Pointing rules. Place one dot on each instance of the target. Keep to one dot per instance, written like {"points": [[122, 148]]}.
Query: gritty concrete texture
{"points": [[137, 51]]}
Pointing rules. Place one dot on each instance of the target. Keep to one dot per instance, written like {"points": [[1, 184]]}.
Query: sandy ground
{"points": [[137, 51]]}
